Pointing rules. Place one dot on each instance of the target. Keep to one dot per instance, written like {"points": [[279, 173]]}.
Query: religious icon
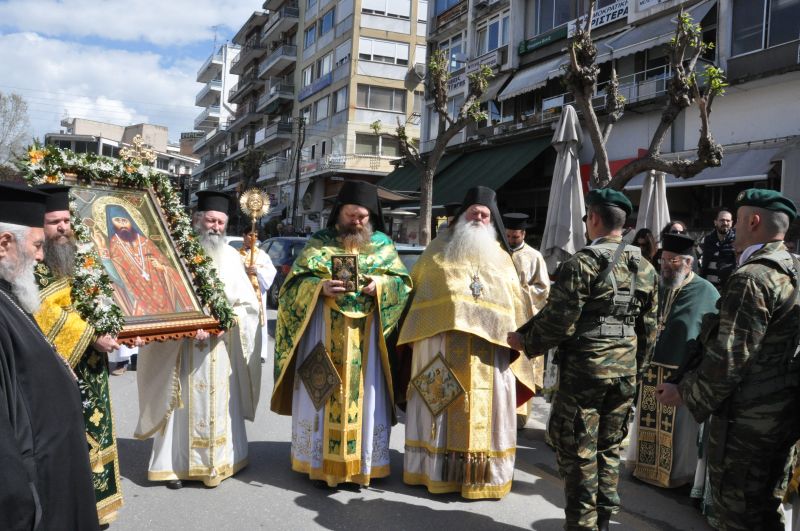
{"points": [[319, 376], [437, 385], [344, 267], [151, 284]]}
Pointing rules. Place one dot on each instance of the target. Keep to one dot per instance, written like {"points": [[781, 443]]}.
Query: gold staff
{"points": [[254, 203]]}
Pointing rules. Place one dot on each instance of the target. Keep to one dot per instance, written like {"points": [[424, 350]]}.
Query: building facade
{"points": [[525, 43]]}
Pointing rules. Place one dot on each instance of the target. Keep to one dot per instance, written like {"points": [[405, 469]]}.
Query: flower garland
{"points": [[92, 289]]}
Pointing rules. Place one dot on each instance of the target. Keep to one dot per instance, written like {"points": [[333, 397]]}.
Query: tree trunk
{"points": [[425, 205]]}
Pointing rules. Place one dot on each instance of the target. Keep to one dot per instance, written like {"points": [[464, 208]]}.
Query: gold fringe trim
{"points": [[424, 445], [318, 474], [199, 474], [471, 492]]}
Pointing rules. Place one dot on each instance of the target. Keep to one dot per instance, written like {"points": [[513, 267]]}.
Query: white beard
{"points": [[213, 243], [469, 241], [23, 282], [673, 280]]}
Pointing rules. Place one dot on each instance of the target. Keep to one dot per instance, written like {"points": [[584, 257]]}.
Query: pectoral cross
{"points": [[476, 287]]}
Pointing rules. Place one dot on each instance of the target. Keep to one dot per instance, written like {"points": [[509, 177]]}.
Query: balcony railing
{"points": [[209, 113], [286, 50], [273, 168], [284, 13], [244, 83], [214, 84], [214, 58]]}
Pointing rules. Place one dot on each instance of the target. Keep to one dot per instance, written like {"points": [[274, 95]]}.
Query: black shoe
{"points": [[174, 484], [603, 522]]}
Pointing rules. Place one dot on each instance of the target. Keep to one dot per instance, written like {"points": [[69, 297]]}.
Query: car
{"points": [[234, 241], [282, 250], [409, 254]]}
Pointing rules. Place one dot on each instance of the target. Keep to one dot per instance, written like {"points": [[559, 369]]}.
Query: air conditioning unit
{"points": [[499, 130], [420, 70], [472, 138]]}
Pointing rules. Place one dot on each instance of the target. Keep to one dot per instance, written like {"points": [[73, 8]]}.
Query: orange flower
{"points": [[197, 259], [36, 155], [130, 169], [89, 262], [51, 179]]}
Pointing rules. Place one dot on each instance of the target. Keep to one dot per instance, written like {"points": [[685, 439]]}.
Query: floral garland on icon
{"points": [[92, 289]]}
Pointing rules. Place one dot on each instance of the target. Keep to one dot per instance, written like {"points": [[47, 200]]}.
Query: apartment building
{"points": [[212, 121], [89, 136], [525, 42]]}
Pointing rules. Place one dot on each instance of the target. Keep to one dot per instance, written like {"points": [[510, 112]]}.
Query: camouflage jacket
{"points": [[757, 327], [558, 324]]}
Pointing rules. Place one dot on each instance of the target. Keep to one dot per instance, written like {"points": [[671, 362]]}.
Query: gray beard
{"points": [[212, 242], [60, 257], [469, 241], [23, 282], [673, 280], [356, 239]]}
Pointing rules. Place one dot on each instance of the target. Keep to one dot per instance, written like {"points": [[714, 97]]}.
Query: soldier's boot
{"points": [[603, 521]]}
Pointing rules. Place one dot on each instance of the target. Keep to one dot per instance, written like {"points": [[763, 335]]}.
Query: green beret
{"points": [[607, 196], [768, 200]]}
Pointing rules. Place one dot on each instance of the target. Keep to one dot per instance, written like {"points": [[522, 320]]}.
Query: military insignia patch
{"points": [[319, 376], [437, 385]]}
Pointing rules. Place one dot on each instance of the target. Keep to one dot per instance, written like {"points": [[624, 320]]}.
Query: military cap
{"points": [[607, 196], [768, 200]]}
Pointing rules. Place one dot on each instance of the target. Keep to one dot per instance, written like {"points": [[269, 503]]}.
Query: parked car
{"points": [[409, 254], [282, 250], [234, 241]]}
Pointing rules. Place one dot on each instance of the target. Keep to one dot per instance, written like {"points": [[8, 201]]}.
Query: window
{"points": [[390, 8], [420, 55], [390, 147], [381, 98], [453, 47], [759, 24], [366, 144], [308, 75], [444, 5], [419, 98], [326, 22], [422, 11], [305, 114], [383, 51], [310, 5], [321, 108], [340, 100], [492, 33], [554, 13], [324, 65], [311, 35]]}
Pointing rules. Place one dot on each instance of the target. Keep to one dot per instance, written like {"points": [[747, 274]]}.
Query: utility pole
{"points": [[301, 138]]}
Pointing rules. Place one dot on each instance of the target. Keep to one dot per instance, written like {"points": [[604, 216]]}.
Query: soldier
{"points": [[749, 375], [601, 314]]}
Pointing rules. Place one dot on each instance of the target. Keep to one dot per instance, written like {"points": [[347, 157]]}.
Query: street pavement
{"points": [[269, 495]]}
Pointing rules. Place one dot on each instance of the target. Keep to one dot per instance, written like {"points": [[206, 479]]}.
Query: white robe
{"points": [[194, 397], [265, 272]]}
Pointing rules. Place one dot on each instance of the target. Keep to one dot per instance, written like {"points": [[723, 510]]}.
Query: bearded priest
{"points": [[77, 342], [195, 394], [44, 460], [466, 383], [343, 296]]}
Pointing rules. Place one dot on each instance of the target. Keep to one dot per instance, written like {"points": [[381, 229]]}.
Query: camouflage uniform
{"points": [[748, 383], [599, 360]]}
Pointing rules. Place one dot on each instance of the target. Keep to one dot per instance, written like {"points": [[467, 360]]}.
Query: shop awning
{"points": [[491, 167], [650, 34], [533, 77], [751, 164], [495, 84], [406, 178]]}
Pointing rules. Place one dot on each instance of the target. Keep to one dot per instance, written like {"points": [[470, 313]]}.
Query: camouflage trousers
{"points": [[588, 422], [749, 461]]}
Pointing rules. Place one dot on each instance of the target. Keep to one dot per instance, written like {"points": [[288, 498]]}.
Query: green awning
{"points": [[406, 178], [491, 167]]}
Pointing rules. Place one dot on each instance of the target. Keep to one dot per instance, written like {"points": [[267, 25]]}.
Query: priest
{"points": [[535, 282], [264, 272], [460, 414], [336, 311], [664, 438], [46, 481], [81, 346], [195, 394]]}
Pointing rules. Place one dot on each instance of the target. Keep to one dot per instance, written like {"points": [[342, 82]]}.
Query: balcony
{"points": [[209, 94], [279, 22], [279, 90], [245, 114], [275, 168], [208, 118], [210, 69], [451, 16], [279, 132], [243, 87], [252, 50], [283, 56], [362, 163]]}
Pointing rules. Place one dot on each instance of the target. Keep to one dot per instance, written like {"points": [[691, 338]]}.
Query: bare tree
{"points": [[14, 128], [448, 126], [684, 90]]}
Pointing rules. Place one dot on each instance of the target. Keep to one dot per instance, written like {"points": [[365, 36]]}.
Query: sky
{"points": [[122, 62]]}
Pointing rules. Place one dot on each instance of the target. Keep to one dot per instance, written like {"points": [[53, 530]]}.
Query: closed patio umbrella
{"points": [[653, 208]]}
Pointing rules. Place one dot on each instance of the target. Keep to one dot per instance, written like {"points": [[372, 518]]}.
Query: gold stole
{"points": [[61, 323], [347, 342], [656, 429], [469, 417]]}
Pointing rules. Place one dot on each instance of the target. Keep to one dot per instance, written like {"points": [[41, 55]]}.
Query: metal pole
{"points": [[301, 138]]}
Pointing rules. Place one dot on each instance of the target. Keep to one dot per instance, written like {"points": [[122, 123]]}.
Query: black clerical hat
{"points": [[22, 205], [678, 244], [57, 197], [362, 194], [515, 221], [481, 195], [216, 201]]}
